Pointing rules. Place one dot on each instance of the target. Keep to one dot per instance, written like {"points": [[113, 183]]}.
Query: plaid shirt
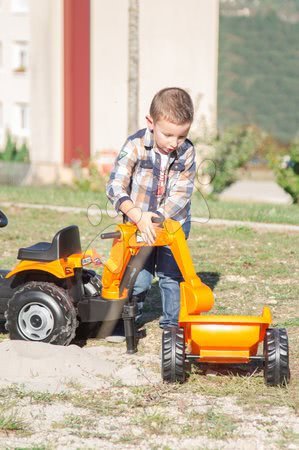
{"points": [[136, 173]]}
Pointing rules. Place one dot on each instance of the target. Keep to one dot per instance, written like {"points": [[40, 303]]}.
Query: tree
{"points": [[133, 69]]}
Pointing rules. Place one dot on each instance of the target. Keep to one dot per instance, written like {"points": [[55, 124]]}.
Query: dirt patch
{"points": [[100, 397], [53, 368]]}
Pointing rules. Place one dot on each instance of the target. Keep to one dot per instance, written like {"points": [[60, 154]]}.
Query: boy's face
{"points": [[168, 136]]}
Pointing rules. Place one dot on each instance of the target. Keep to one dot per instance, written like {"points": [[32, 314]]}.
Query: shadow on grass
{"points": [[211, 279], [152, 306], [246, 369], [3, 330]]}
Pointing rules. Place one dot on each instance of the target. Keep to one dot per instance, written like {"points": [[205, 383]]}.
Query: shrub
{"points": [[232, 150], [88, 178], [11, 152], [286, 169]]}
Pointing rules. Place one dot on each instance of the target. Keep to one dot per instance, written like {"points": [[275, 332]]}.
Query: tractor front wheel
{"points": [[173, 365], [41, 311], [276, 355]]}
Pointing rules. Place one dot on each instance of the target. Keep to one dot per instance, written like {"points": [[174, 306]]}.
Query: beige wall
{"points": [[109, 73], [46, 27], [179, 47]]}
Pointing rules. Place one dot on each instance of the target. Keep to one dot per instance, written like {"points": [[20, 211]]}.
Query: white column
{"points": [[46, 27]]}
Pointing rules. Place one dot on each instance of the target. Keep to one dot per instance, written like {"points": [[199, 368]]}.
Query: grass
{"points": [[152, 421], [246, 269], [11, 421], [219, 425], [288, 439], [51, 195], [206, 208], [75, 422], [209, 208]]}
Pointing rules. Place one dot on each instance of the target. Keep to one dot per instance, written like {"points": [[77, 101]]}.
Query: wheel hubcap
{"points": [[36, 321]]}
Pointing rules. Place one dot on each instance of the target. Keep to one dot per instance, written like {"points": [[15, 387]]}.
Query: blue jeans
{"points": [[163, 263]]}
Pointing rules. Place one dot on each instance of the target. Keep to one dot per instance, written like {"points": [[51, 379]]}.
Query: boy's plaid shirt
{"points": [[136, 172]]}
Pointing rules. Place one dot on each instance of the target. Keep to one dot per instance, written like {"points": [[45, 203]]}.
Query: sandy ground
{"points": [[52, 368], [109, 415]]}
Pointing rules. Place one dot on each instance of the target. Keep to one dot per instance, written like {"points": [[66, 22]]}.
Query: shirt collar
{"points": [[148, 139]]}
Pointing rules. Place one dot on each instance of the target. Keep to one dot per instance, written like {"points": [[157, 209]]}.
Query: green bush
{"points": [[232, 150], [11, 152], [88, 178], [287, 171]]}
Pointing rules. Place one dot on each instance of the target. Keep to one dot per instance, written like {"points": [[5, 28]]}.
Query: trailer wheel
{"points": [[41, 311], [173, 365], [276, 354]]}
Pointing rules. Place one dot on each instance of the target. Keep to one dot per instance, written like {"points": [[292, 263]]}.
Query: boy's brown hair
{"points": [[172, 104]]}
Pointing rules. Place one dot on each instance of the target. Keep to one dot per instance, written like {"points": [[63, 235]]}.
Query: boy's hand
{"points": [[143, 220], [146, 227]]}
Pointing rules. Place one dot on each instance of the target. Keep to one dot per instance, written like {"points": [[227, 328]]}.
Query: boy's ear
{"points": [[149, 122]]}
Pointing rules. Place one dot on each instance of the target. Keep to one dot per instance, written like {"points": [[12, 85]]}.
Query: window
{"points": [[22, 119], [20, 56], [1, 117], [19, 6]]}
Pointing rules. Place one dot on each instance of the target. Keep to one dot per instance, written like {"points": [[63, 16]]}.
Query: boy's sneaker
{"points": [[165, 326]]}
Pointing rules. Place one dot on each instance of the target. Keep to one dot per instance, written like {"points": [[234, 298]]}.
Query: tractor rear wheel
{"points": [[276, 354], [43, 312], [173, 365]]}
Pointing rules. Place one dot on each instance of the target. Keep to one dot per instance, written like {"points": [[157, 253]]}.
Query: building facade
{"points": [[65, 65], [14, 69]]}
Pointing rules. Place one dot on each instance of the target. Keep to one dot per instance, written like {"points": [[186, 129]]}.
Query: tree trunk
{"points": [[133, 69]]}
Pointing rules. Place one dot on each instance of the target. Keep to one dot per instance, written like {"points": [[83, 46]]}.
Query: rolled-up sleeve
{"points": [[118, 186], [180, 191]]}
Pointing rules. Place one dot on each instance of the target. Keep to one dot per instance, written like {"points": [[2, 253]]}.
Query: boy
{"points": [[153, 176]]}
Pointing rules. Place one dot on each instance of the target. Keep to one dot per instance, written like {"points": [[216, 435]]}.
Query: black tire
{"points": [[43, 312], [276, 354], [173, 364]]}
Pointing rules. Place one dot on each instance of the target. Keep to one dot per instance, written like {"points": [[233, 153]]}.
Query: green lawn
{"points": [[203, 207], [246, 211]]}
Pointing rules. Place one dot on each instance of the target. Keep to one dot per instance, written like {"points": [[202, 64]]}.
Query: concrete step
{"points": [[265, 191]]}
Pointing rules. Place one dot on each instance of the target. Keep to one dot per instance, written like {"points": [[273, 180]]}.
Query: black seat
{"points": [[65, 243]]}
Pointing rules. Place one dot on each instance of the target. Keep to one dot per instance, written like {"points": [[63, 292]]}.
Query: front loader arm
{"points": [[196, 297]]}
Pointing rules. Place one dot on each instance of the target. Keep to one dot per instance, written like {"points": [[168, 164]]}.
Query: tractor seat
{"points": [[65, 243]]}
